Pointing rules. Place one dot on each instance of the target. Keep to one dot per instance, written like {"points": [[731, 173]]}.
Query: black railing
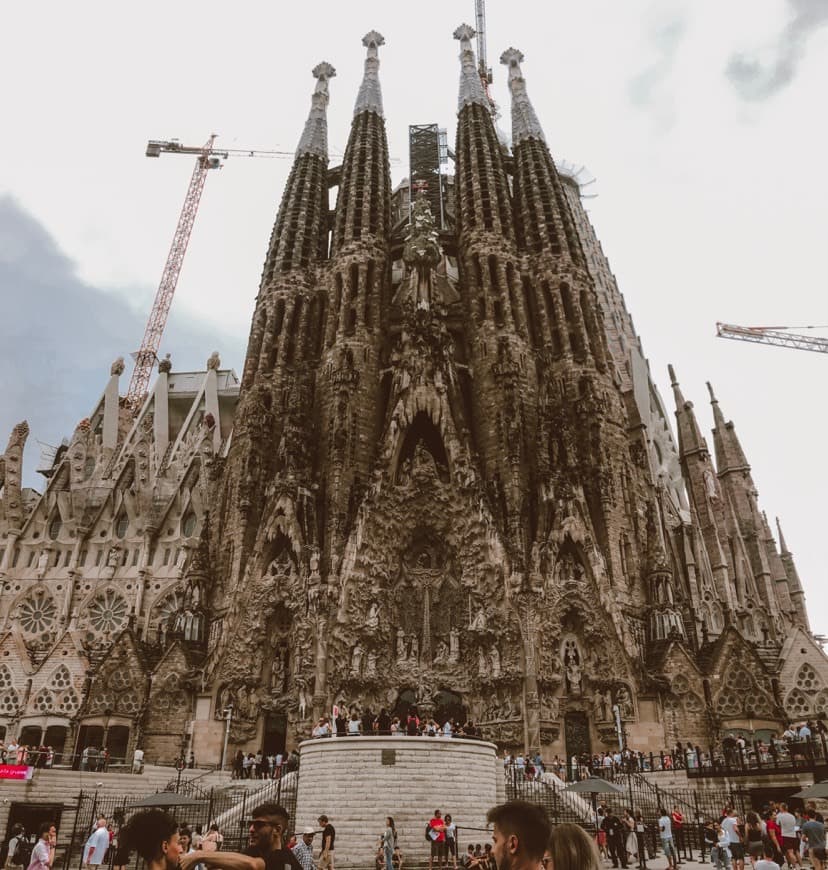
{"points": [[228, 806], [638, 795]]}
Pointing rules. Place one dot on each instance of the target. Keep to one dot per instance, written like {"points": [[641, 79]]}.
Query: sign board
{"points": [[389, 756], [16, 771]]}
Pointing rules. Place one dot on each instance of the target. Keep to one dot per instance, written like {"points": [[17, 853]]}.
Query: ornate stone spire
{"points": [[525, 123], [369, 98], [315, 135], [471, 88]]}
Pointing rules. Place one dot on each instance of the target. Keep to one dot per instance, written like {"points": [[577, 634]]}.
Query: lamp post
{"points": [[228, 718]]}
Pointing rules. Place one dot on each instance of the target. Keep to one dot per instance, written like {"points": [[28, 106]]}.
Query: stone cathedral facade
{"points": [[446, 480]]}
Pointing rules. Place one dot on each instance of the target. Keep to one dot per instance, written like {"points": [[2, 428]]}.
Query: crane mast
{"points": [[207, 158], [146, 356], [773, 335], [482, 59]]}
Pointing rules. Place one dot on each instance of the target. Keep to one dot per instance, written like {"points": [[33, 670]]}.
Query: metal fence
{"points": [[228, 806], [638, 794]]}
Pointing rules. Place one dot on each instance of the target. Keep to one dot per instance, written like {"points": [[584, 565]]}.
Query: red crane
{"points": [[207, 158]]}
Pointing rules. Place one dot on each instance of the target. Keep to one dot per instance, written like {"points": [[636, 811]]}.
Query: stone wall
{"points": [[357, 781]]}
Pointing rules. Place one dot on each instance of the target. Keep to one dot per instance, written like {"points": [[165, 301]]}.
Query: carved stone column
{"points": [[526, 604]]}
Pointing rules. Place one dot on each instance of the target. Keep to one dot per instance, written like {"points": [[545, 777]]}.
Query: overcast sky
{"points": [[702, 121]]}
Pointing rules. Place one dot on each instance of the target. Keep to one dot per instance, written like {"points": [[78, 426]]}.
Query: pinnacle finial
{"points": [[713, 399], [783, 547], [315, 135], [369, 98], [373, 38], [465, 33], [471, 88], [672, 372], [525, 123]]}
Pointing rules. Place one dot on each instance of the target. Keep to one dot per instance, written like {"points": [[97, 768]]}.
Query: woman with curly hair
{"points": [[153, 834]]}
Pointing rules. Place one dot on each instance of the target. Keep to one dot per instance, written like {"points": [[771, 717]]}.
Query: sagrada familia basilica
{"points": [[445, 479]]}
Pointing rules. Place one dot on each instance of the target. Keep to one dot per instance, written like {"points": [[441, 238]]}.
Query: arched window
{"points": [[188, 524], [55, 526], [122, 525]]}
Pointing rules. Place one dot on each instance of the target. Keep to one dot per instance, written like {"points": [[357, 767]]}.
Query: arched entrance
{"points": [[449, 705], [406, 702], [576, 736], [56, 738], [30, 735]]}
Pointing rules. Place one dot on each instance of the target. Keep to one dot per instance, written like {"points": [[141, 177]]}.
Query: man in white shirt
{"points": [[138, 761], [804, 731], [790, 842], [730, 825], [96, 845], [665, 829], [767, 862], [447, 728]]}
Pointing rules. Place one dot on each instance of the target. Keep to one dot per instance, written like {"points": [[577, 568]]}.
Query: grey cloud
{"points": [[647, 89], [757, 79], [58, 336]]}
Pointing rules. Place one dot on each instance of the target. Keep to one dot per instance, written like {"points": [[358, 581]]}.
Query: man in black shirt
{"points": [[614, 829], [266, 851]]}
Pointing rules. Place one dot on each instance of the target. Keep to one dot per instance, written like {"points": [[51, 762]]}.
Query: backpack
{"points": [[22, 852], [428, 833]]}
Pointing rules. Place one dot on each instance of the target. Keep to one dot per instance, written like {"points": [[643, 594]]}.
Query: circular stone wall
{"points": [[358, 781]]}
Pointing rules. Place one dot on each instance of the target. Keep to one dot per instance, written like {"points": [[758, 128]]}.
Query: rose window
{"points": [[108, 612], [729, 703], [129, 703], [8, 703], [693, 703], [37, 613], [680, 684], [821, 703], [168, 608], [44, 702], [5, 678], [797, 703], [806, 679], [118, 681], [69, 703], [61, 680]]}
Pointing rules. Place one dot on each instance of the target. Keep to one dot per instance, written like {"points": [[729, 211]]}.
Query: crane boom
{"points": [[773, 335], [146, 356]]}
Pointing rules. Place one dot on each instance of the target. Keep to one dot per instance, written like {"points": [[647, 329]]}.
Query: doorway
{"points": [[31, 816], [576, 736], [275, 734], [30, 735]]}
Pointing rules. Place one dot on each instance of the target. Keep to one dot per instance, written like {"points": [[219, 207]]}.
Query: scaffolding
{"points": [[427, 153]]}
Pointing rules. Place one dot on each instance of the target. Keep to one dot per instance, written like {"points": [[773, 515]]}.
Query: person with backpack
{"points": [[17, 843]]}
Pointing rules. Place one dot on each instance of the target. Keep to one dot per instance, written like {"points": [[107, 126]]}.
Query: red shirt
{"points": [[439, 826], [774, 830], [678, 819]]}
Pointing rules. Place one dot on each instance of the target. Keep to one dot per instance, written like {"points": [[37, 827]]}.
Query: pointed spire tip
{"points": [[713, 399], [374, 38], [512, 57], [672, 372], [465, 32], [323, 70]]}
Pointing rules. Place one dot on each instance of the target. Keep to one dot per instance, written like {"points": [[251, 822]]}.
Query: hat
{"points": [[308, 830]]}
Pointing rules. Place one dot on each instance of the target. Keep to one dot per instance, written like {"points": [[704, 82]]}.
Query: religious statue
{"points": [[356, 660], [479, 622], [414, 650], [624, 701], [482, 663], [572, 667], [442, 653], [371, 665], [42, 564], [372, 620], [400, 645], [494, 656], [454, 645], [599, 706]]}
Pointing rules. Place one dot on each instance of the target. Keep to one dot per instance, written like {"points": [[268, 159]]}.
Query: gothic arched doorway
{"points": [[406, 702]]}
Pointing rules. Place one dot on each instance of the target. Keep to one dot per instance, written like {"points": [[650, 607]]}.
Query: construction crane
{"points": [[483, 68], [207, 158], [775, 335]]}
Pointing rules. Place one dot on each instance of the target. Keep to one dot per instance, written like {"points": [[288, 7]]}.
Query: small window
{"points": [[166, 560], [121, 525], [188, 523], [55, 526], [88, 467], [82, 559], [98, 557], [135, 553]]}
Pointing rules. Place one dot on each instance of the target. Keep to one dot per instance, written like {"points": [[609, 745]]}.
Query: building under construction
{"points": [[445, 480]]}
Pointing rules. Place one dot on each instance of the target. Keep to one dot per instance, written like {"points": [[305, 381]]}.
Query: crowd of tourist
{"points": [[263, 766], [383, 724], [35, 756]]}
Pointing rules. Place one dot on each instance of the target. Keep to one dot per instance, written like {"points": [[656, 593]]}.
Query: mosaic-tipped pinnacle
{"points": [[512, 57], [373, 38], [323, 70], [465, 32]]}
